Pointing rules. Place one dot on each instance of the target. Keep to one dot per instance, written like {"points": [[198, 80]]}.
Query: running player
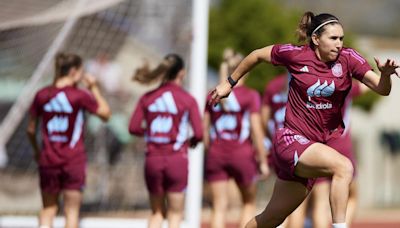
{"points": [[321, 77], [273, 115]]}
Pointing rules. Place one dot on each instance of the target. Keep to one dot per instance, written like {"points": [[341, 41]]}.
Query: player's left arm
{"points": [[258, 141], [383, 84], [31, 132]]}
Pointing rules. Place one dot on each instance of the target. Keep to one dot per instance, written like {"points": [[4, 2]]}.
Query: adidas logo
{"points": [[59, 103], [165, 103], [304, 69]]}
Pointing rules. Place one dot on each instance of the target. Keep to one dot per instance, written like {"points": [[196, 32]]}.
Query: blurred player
{"points": [[61, 156], [163, 116], [321, 77], [230, 130]]}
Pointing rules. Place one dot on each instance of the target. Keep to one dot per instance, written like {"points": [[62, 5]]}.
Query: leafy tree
{"points": [[246, 26]]}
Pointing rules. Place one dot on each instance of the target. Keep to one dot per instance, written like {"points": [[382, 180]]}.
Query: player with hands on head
{"points": [[61, 157]]}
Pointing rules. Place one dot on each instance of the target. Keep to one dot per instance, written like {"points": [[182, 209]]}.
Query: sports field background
{"points": [[133, 30]]}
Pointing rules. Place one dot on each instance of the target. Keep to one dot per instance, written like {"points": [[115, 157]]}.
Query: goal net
{"points": [[113, 37]]}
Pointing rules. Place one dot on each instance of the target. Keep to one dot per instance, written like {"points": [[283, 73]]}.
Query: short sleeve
{"points": [[357, 64], [35, 109], [282, 54], [88, 102]]}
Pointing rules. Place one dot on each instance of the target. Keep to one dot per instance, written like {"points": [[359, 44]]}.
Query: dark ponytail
{"points": [[303, 26], [64, 62], [168, 69], [310, 23]]}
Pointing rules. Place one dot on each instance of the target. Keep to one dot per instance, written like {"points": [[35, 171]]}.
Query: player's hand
{"points": [[264, 170], [89, 80], [388, 68], [221, 91]]}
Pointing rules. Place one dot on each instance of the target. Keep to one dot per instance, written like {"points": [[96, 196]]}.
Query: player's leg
{"points": [[72, 204], [352, 204], [219, 195], [320, 160], [157, 204], [286, 197], [49, 210], [175, 202], [248, 194], [320, 209]]}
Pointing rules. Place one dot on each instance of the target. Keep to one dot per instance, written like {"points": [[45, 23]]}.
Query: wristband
{"points": [[231, 81]]}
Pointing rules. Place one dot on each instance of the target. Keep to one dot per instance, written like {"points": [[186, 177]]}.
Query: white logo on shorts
{"points": [[301, 139], [295, 158]]}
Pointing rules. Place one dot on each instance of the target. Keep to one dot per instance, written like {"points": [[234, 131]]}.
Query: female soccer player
{"points": [[273, 115], [163, 116], [230, 130], [321, 79], [61, 157]]}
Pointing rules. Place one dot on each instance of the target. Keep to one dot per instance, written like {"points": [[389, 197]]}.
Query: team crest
{"points": [[337, 70], [301, 139]]}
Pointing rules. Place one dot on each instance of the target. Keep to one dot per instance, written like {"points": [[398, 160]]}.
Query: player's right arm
{"points": [[136, 124], [103, 110], [249, 62]]}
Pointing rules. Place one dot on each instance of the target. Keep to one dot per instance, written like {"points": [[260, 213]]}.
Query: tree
{"points": [[246, 26]]}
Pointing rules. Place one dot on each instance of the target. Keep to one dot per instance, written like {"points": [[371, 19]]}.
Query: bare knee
{"points": [[158, 215], [343, 169], [220, 204]]}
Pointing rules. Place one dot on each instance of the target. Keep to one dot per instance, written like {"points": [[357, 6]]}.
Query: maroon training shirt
{"points": [[163, 116], [275, 97], [230, 124], [62, 122], [317, 89]]}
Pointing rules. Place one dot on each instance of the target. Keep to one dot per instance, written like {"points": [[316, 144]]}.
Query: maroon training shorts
{"points": [[166, 173], [66, 177]]}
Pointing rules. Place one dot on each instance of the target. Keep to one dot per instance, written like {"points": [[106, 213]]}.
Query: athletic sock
{"points": [[339, 225]]}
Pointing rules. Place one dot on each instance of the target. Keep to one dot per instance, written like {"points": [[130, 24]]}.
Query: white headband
{"points": [[326, 22]]}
